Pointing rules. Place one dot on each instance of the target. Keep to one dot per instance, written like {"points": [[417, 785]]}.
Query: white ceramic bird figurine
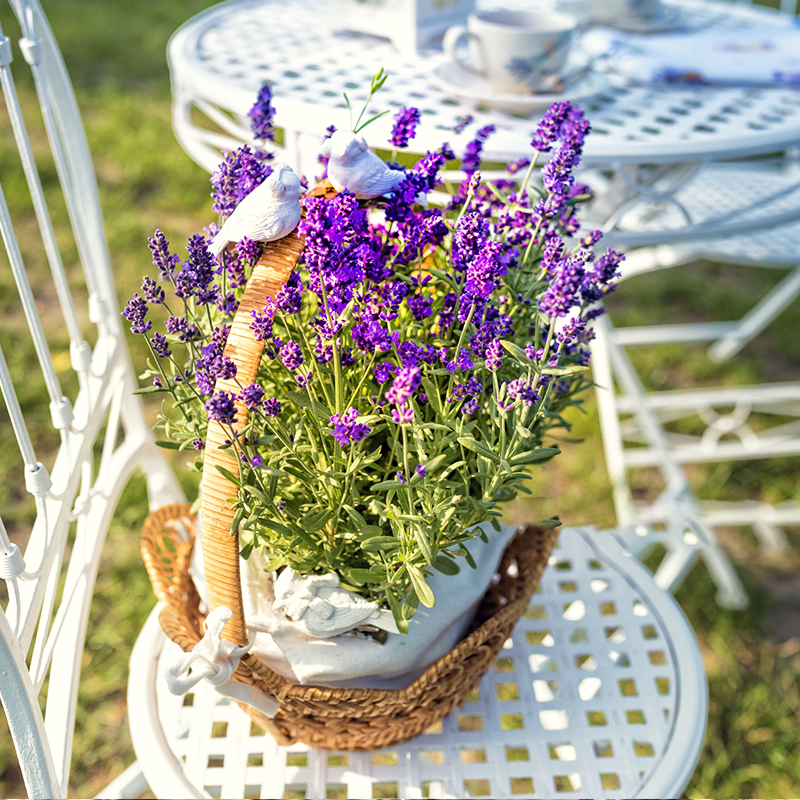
{"points": [[271, 211], [353, 166], [321, 608]]}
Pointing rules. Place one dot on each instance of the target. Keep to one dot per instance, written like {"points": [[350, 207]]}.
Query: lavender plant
{"points": [[415, 364]]}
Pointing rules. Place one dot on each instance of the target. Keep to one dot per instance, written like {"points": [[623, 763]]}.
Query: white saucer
{"points": [[668, 18], [454, 80]]}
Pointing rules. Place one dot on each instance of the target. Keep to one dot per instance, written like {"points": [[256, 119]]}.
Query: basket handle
{"points": [[220, 547]]}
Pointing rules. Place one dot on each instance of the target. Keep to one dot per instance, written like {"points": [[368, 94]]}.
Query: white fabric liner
{"points": [[356, 661]]}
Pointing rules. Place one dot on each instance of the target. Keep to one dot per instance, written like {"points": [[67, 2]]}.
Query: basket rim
{"points": [[184, 633]]}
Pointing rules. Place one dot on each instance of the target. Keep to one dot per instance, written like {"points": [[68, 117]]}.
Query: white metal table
{"points": [[600, 692], [220, 58]]}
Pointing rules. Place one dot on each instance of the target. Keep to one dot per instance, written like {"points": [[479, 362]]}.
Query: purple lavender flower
{"points": [[163, 260], [494, 355], [563, 292], [227, 304], [261, 114], [420, 470], [234, 268], [323, 352], [471, 159], [462, 123], [552, 256], [252, 396], [290, 297], [522, 389], [598, 280], [402, 414], [404, 385], [238, 174], [135, 312], [197, 273], [198, 444], [335, 231], [262, 323], [405, 127], [369, 336], [572, 331], [256, 460], [549, 128], [303, 379], [513, 167], [160, 345], [248, 250], [330, 130], [152, 292], [471, 233], [557, 172], [472, 388], [185, 331], [221, 408], [272, 407], [291, 356], [591, 238], [471, 406], [383, 371], [346, 429], [398, 476]]}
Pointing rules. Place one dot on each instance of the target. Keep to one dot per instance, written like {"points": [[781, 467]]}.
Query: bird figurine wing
{"points": [[377, 178], [271, 211]]}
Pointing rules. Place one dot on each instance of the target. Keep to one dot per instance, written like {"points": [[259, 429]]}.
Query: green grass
{"points": [[115, 52]]}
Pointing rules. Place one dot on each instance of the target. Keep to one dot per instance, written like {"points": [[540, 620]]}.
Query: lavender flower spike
{"points": [[292, 356], [406, 382], [220, 407], [494, 355], [405, 127], [261, 114], [163, 260], [345, 428], [135, 312]]}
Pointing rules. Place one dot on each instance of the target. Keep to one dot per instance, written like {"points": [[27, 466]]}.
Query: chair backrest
{"points": [[98, 434]]}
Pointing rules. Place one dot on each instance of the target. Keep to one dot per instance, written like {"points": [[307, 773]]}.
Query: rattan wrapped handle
{"points": [[220, 548]]}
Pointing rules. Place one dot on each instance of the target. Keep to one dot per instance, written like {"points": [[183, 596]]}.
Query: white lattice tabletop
{"points": [[221, 57], [600, 692]]}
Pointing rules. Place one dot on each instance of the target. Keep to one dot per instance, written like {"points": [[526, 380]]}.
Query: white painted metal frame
{"points": [[42, 630], [634, 421], [600, 690]]}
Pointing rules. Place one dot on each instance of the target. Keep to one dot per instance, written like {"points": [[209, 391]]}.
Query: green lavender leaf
{"points": [[422, 589]]}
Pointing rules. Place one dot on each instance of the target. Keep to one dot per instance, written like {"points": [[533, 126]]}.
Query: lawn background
{"points": [[115, 52]]}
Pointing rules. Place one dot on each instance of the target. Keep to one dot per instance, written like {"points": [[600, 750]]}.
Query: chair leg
{"points": [[757, 318], [730, 592], [130, 783], [771, 538]]}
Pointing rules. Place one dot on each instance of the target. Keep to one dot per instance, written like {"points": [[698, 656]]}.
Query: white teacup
{"points": [[610, 11], [514, 51]]}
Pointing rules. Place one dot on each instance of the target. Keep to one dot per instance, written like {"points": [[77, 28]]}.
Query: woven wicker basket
{"points": [[337, 719]]}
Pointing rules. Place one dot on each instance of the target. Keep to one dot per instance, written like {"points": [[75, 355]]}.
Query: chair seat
{"points": [[601, 689], [721, 218]]}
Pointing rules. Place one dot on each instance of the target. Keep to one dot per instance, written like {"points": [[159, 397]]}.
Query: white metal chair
{"points": [[101, 430], [635, 422], [600, 689]]}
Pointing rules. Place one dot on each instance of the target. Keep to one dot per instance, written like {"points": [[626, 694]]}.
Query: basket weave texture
{"points": [[337, 719], [351, 719]]}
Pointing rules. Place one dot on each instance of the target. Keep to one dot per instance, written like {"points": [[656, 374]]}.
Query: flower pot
{"points": [[351, 718], [338, 717]]}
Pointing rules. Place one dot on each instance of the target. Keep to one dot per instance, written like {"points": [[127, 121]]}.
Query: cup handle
{"points": [[450, 45]]}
